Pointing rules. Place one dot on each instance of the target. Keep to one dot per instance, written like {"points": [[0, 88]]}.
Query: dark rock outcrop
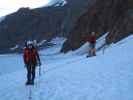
{"points": [[40, 23], [29, 24], [103, 16]]}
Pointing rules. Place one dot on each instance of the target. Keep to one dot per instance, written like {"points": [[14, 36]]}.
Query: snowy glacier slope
{"points": [[107, 76]]}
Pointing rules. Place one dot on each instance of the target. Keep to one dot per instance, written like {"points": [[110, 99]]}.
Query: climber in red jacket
{"points": [[31, 60], [92, 42]]}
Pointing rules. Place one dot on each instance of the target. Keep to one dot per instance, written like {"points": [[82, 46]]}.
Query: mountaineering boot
{"points": [[89, 56], [28, 83], [32, 82]]}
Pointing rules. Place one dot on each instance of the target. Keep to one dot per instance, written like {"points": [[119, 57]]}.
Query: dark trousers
{"points": [[31, 72], [92, 50]]}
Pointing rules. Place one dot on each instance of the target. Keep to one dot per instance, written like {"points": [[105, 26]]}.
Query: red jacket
{"points": [[30, 56], [92, 39]]}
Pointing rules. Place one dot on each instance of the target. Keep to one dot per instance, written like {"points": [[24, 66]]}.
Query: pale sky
{"points": [[9, 6]]}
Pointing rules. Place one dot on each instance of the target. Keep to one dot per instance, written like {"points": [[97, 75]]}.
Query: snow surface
{"points": [[107, 76]]}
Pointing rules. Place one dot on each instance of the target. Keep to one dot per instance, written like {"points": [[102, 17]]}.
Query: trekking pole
{"points": [[39, 70], [30, 93]]}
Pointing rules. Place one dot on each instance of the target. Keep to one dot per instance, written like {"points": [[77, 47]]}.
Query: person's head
{"points": [[29, 44], [92, 33]]}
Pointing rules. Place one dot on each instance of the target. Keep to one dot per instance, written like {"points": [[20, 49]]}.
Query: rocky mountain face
{"points": [[26, 24], [39, 24], [113, 16], [123, 26]]}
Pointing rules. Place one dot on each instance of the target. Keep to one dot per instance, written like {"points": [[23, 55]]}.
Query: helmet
{"points": [[29, 43], [92, 33]]}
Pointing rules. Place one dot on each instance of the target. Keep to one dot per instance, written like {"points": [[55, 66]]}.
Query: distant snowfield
{"points": [[72, 76]]}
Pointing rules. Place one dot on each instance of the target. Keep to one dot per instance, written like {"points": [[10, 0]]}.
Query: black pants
{"points": [[31, 72], [92, 50]]}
